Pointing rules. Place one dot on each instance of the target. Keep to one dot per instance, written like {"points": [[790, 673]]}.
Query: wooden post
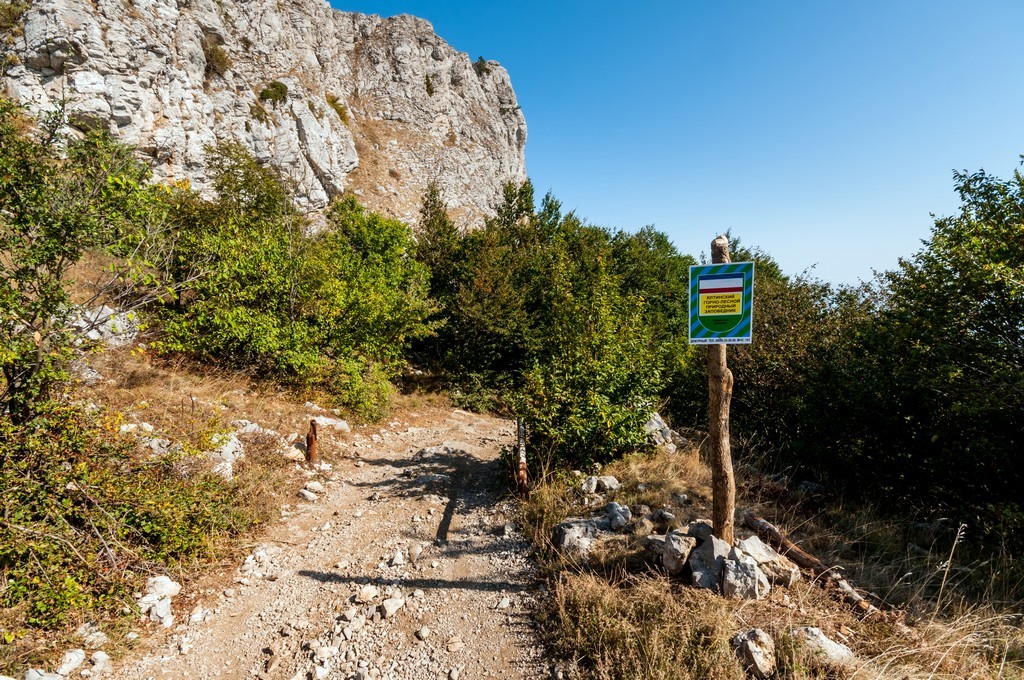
{"points": [[723, 483], [312, 455], [521, 480]]}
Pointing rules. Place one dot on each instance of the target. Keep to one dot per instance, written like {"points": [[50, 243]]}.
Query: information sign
{"points": [[722, 303]]}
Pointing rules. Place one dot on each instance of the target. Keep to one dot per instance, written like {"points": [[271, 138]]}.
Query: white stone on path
{"points": [[71, 661], [391, 606]]}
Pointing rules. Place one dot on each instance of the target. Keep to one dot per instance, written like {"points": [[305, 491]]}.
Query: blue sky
{"points": [[824, 132]]}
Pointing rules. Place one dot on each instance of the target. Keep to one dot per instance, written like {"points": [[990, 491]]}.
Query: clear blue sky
{"points": [[823, 131]]}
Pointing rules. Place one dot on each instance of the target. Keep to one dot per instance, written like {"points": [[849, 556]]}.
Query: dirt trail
{"points": [[292, 610]]}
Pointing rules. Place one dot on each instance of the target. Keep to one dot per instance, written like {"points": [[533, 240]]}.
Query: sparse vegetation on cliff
{"points": [[338, 108], [259, 113], [218, 62], [481, 67], [275, 92], [11, 14]]}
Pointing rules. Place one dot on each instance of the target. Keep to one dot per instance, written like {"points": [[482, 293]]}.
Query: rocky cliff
{"points": [[337, 101]]}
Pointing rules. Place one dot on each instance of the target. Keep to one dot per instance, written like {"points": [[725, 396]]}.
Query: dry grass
{"points": [[183, 400], [619, 616]]}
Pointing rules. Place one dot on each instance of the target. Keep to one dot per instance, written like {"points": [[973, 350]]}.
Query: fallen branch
{"points": [[805, 560]]}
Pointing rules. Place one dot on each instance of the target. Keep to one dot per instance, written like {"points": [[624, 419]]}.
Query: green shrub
{"points": [[218, 62], [338, 107], [84, 519], [430, 86], [275, 92], [336, 310], [363, 388], [481, 67], [589, 400], [534, 312], [259, 113], [59, 198]]}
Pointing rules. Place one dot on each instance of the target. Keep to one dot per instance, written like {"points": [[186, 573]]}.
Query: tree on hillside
{"points": [[335, 310], [954, 324], [59, 198], [439, 246]]}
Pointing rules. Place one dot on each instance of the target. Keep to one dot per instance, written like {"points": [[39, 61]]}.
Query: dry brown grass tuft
{"points": [[643, 627], [187, 402]]}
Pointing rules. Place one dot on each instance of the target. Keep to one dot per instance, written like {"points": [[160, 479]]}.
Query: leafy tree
{"points": [[374, 293], [905, 390], [440, 246], [242, 254], [598, 380], [951, 336], [649, 267], [60, 198], [551, 314]]}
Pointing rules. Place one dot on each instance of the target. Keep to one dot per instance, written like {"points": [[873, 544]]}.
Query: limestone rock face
{"points": [[377, 106]]}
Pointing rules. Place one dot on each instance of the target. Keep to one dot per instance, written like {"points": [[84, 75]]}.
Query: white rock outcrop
{"points": [[377, 106]]}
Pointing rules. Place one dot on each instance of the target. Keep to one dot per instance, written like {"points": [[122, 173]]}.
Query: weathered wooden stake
{"points": [[312, 455], [719, 397], [521, 480]]}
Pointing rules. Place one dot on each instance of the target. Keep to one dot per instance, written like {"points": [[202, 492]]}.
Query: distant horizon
{"points": [[826, 135]]}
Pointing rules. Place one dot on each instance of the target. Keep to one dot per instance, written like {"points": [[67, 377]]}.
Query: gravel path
{"points": [[405, 567]]}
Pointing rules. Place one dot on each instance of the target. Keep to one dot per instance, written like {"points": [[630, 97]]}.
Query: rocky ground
{"points": [[401, 562]]}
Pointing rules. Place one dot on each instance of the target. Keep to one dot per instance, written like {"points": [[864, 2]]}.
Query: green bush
{"points": [[481, 67], [275, 92], [537, 317], [430, 86], [588, 401], [259, 113], [338, 108], [336, 309], [84, 519], [362, 387], [948, 348]]}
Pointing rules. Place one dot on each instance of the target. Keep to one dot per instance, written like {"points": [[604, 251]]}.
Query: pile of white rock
{"points": [[105, 325], [756, 650], [746, 570], [156, 603]]}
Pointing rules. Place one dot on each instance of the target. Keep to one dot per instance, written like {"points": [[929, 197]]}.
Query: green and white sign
{"points": [[722, 303]]}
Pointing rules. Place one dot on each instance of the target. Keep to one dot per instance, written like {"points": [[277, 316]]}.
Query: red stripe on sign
{"points": [[710, 291]]}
